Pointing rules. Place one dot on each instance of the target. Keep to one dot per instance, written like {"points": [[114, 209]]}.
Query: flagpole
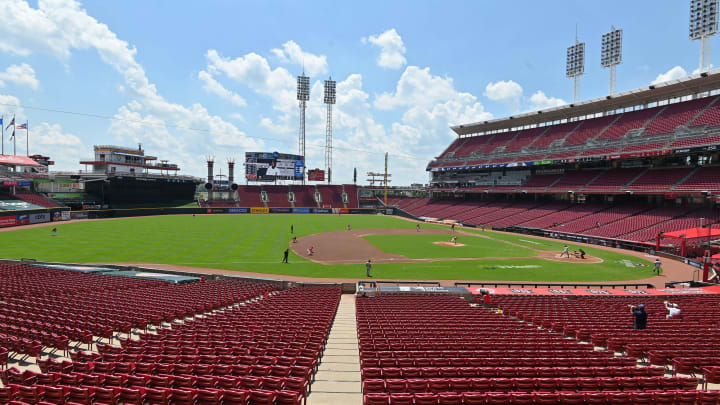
{"points": [[2, 127], [27, 138]]}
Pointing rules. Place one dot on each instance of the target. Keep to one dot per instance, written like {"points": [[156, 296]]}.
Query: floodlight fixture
{"points": [[703, 25], [303, 88], [575, 60], [303, 95], [575, 65], [329, 91], [611, 55], [611, 48], [329, 99]]}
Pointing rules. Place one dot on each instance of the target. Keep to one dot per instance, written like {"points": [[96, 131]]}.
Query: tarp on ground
{"points": [[692, 233], [81, 269], [170, 278], [598, 291]]}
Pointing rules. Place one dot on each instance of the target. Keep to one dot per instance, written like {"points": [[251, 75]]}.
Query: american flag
{"points": [[21, 126]]}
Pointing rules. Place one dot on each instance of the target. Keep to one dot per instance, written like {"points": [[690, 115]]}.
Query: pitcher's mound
{"points": [[448, 244]]}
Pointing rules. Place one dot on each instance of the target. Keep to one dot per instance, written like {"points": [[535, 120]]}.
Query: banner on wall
{"points": [[301, 210], [322, 210], [7, 221], [259, 210], [280, 210], [65, 215], [238, 210], [39, 218], [22, 220], [79, 215]]}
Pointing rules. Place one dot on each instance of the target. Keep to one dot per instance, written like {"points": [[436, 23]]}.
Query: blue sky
{"points": [[217, 78]]}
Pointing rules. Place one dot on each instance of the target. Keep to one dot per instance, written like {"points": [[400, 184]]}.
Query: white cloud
{"points": [[67, 149], [539, 101], [22, 75], [416, 87], [214, 87], [9, 106], [675, 73], [508, 92], [392, 49], [62, 26], [292, 53]]}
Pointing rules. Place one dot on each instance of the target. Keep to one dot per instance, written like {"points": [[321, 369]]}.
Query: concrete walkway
{"points": [[338, 378]]}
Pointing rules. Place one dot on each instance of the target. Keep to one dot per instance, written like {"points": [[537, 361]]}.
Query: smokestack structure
{"points": [[209, 185]]}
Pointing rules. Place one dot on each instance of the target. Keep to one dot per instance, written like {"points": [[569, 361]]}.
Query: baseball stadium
{"points": [[560, 255]]}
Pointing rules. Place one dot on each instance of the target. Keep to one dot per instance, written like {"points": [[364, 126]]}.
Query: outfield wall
{"points": [[36, 216], [139, 212]]}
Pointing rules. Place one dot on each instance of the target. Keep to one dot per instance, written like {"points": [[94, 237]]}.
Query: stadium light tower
{"points": [[611, 55], [703, 25], [575, 66], [303, 95], [329, 99]]}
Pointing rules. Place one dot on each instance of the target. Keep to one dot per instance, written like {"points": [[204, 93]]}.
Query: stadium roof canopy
{"points": [[693, 84]]}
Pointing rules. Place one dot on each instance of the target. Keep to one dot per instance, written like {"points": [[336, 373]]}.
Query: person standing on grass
{"points": [[417, 227], [292, 229], [452, 227], [54, 231], [285, 255], [656, 268], [368, 267]]}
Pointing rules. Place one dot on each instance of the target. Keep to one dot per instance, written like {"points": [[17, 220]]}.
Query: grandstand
{"points": [[622, 168]]}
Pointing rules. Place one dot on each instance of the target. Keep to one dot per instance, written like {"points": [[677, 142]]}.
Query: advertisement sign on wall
{"points": [[322, 210], [280, 210], [238, 210], [301, 210], [316, 175], [65, 215], [259, 210], [7, 221], [23, 219], [40, 218]]}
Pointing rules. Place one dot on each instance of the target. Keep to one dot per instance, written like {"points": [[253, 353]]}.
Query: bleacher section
{"points": [[470, 355], [277, 196], [628, 222], [606, 322], [250, 196], [264, 351], [657, 129], [36, 199]]}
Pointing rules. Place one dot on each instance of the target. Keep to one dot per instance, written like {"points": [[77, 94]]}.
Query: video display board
{"points": [[271, 166]]}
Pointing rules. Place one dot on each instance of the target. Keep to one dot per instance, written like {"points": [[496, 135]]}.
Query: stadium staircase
{"points": [[702, 111], [292, 201], [554, 182], [338, 377], [346, 194], [600, 173], [630, 183], [687, 176], [264, 200], [642, 129], [317, 197]]}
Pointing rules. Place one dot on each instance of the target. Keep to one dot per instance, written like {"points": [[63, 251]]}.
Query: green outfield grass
{"points": [[255, 243], [422, 246]]}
